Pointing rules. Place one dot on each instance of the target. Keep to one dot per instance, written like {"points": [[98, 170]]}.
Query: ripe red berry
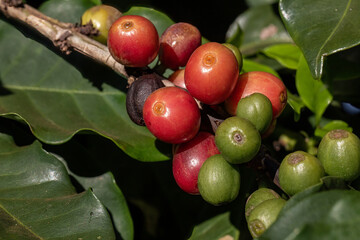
{"points": [[172, 115], [177, 78], [211, 73], [177, 43], [258, 82], [133, 41], [189, 157]]}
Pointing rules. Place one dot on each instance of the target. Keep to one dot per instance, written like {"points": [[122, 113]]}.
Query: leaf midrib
{"points": [[319, 56], [55, 90], [20, 223]]}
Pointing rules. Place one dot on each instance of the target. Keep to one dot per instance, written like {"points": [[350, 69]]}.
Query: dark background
{"points": [[212, 18]]}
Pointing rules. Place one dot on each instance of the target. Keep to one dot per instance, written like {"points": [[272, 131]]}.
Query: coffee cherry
{"points": [[236, 52], [218, 180], [101, 17], [257, 197], [177, 43], [298, 171], [133, 41], [211, 73], [189, 157], [138, 92], [339, 153], [177, 78], [259, 82], [172, 115], [257, 109], [264, 215], [237, 139]]}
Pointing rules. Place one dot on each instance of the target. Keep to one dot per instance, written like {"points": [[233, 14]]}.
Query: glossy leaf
{"points": [[38, 200], [159, 19], [261, 27], [218, 227], [296, 104], [67, 10], [59, 96], [249, 65], [328, 215], [321, 28], [106, 189], [313, 93], [335, 124], [287, 55]]}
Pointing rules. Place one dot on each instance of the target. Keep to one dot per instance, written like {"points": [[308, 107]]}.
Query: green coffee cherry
{"points": [[264, 215], [218, 180], [257, 109], [236, 52], [237, 140], [298, 171], [257, 197], [101, 17], [339, 153]]}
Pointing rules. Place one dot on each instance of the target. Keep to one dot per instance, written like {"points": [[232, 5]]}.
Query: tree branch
{"points": [[63, 35]]}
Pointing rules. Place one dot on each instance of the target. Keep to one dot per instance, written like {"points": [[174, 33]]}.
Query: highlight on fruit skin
{"points": [[133, 41], [219, 180], [258, 82], [101, 17], [257, 197], [339, 153], [264, 215], [211, 73], [177, 43], [298, 171], [188, 158], [172, 115], [238, 140]]}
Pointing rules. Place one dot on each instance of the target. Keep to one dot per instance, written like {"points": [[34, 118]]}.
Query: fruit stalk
{"points": [[63, 35]]}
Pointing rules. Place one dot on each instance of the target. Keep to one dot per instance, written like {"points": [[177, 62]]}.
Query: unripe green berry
{"points": [[218, 180], [264, 215], [298, 171], [339, 152], [257, 197], [257, 109]]}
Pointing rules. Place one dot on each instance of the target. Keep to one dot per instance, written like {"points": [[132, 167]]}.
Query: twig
{"points": [[63, 35]]}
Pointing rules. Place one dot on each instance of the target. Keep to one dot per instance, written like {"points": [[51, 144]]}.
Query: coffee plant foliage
{"points": [[74, 166]]}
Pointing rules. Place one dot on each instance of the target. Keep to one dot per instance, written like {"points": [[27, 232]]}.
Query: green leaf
{"points": [[335, 124], [249, 65], [313, 93], [159, 19], [59, 96], [217, 227], [322, 215], [106, 189], [38, 200], [321, 28], [286, 54], [296, 104], [67, 10], [261, 27]]}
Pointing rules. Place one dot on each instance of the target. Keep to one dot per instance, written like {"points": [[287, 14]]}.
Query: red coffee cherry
{"points": [[188, 159], [258, 82], [177, 78], [133, 41], [211, 73], [172, 115], [177, 43]]}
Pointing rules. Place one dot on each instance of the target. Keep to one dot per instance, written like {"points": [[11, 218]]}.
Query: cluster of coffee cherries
{"points": [[207, 76]]}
